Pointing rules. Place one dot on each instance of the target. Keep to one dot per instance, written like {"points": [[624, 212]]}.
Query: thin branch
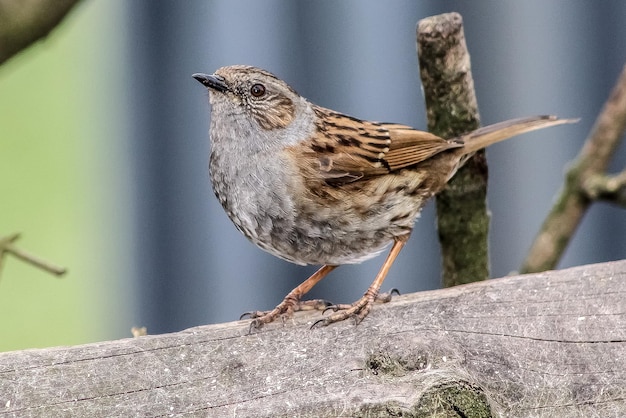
{"points": [[4, 242], [574, 199], [7, 247], [611, 189]]}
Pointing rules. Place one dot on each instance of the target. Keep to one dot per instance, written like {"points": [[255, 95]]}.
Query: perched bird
{"points": [[314, 186]]}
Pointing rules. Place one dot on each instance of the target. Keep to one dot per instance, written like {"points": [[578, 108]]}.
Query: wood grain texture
{"points": [[548, 344]]}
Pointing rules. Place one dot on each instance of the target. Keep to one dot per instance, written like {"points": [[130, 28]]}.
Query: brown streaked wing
{"points": [[410, 146], [348, 149]]}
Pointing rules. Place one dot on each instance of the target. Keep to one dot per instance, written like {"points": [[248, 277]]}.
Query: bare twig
{"points": [[585, 181], [7, 247], [452, 110], [4, 242], [608, 188]]}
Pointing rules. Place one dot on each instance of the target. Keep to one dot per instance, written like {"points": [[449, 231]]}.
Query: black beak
{"points": [[214, 82]]}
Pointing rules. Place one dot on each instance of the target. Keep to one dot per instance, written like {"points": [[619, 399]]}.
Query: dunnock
{"points": [[315, 186]]}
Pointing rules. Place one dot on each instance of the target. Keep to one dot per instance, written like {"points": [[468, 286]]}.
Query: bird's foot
{"points": [[357, 310], [284, 310]]}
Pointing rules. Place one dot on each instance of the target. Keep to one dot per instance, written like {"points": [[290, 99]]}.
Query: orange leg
{"points": [[359, 309], [291, 302]]}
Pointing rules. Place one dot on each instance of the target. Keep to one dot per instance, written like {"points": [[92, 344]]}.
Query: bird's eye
{"points": [[257, 90]]}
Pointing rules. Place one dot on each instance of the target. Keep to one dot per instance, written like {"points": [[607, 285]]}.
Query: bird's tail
{"points": [[483, 137]]}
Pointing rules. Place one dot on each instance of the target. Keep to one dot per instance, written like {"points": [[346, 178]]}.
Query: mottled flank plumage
{"points": [[314, 186]]}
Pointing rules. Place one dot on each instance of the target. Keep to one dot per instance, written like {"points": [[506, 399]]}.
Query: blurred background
{"points": [[104, 149]]}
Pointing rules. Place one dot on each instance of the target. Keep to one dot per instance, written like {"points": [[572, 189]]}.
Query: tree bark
{"points": [[548, 344], [452, 110]]}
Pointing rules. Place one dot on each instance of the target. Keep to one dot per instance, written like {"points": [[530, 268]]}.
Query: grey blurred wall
{"points": [[358, 57]]}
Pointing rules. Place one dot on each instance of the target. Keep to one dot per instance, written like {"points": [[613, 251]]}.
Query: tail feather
{"points": [[483, 137]]}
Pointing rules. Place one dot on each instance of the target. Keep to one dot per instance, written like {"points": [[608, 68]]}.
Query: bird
{"points": [[315, 186]]}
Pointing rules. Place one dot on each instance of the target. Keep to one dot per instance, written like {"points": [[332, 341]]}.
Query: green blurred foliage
{"points": [[55, 187]]}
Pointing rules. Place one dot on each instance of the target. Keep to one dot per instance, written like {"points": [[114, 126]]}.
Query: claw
{"points": [[316, 323], [253, 314], [337, 307], [246, 314], [333, 308], [255, 324]]}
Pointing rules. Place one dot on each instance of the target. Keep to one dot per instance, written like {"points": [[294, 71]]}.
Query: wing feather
{"points": [[346, 149]]}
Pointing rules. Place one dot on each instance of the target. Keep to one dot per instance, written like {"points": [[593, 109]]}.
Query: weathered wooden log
{"points": [[547, 344]]}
